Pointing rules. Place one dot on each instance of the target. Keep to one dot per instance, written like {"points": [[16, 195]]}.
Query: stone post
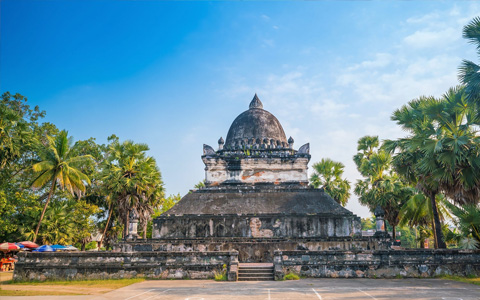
{"points": [[132, 226], [384, 240], [278, 265], [232, 273], [379, 214]]}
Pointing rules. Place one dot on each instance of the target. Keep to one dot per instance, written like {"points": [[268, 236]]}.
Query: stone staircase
{"points": [[255, 272]]}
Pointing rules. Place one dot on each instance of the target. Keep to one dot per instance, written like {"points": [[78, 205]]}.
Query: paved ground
{"points": [[348, 289]]}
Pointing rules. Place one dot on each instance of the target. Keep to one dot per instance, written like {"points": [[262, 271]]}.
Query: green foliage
{"points": [[441, 153], [91, 246], [58, 165], [328, 176], [469, 71], [468, 222], [291, 276], [221, 275], [200, 185], [62, 172], [368, 223], [381, 186], [132, 182]]}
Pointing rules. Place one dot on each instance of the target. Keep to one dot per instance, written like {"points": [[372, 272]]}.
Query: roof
{"points": [[254, 200], [255, 123]]}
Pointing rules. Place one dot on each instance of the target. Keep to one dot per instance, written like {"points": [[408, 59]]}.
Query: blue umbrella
{"points": [[44, 248], [20, 245], [59, 247]]}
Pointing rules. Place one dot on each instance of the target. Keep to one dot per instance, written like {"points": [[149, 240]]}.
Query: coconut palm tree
{"points": [[58, 166], [328, 176]]}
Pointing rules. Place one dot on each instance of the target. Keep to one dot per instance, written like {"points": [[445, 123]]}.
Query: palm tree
{"points": [[133, 182], [468, 220], [417, 212], [469, 72], [380, 186], [442, 153], [58, 166], [328, 176]]}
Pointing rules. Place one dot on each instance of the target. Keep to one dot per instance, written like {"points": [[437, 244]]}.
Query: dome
{"points": [[257, 124]]}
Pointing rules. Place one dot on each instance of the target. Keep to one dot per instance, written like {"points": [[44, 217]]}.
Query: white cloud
{"points": [[332, 111]]}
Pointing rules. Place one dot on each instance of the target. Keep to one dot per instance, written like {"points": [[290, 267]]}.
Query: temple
{"points": [[257, 199]]}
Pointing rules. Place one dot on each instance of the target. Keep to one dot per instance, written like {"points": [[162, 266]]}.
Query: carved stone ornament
{"points": [[305, 149], [207, 150]]}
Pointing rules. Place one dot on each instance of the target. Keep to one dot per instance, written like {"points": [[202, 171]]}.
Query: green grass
{"points": [[35, 293], [291, 276], [467, 279]]}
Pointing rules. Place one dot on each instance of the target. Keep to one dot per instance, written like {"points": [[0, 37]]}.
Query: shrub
{"points": [[291, 276], [221, 275]]}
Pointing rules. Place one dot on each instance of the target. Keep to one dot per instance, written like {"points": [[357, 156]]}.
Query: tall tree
{"points": [[58, 166], [441, 155], [133, 181], [469, 72], [381, 186], [327, 174]]}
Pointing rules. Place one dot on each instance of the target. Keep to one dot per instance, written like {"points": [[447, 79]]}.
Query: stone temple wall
{"points": [[201, 265], [114, 265], [253, 250], [255, 226], [252, 170], [378, 263]]}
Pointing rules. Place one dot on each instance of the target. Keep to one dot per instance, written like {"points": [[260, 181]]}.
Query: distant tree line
{"points": [[54, 190]]}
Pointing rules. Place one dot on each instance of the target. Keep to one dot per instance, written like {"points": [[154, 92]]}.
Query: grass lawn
{"points": [[474, 280], [80, 287]]}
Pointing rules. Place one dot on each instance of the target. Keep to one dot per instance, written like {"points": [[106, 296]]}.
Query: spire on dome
{"points": [[255, 103]]}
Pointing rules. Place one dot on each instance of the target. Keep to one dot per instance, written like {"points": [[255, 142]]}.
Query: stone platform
{"points": [[254, 249]]}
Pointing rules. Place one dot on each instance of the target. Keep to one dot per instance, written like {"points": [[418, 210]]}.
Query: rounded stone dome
{"points": [[255, 124]]}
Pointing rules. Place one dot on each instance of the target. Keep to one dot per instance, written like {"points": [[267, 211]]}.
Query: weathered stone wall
{"points": [[251, 169], [102, 265], [254, 249], [256, 226], [377, 263]]}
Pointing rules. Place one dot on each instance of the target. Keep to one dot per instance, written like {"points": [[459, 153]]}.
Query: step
{"points": [[255, 272], [255, 278]]}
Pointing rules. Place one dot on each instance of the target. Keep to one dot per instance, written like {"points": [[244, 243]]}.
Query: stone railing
{"points": [[377, 263], [103, 265]]}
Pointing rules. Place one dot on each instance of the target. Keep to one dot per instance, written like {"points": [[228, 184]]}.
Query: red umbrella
{"points": [[29, 244], [5, 247]]}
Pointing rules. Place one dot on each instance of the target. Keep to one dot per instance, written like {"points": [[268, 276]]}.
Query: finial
{"points": [[220, 143], [290, 143], [256, 103]]}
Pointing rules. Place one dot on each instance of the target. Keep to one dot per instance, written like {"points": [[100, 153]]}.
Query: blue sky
{"points": [[174, 75]]}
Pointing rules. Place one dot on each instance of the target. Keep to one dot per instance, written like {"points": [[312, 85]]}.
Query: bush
{"points": [[222, 275], [291, 276]]}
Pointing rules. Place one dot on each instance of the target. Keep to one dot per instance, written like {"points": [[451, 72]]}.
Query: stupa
{"points": [[257, 198]]}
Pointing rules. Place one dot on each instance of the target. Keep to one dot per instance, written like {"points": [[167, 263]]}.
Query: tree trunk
{"points": [[394, 233], [106, 226], [52, 188], [125, 225], [439, 242], [145, 230]]}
